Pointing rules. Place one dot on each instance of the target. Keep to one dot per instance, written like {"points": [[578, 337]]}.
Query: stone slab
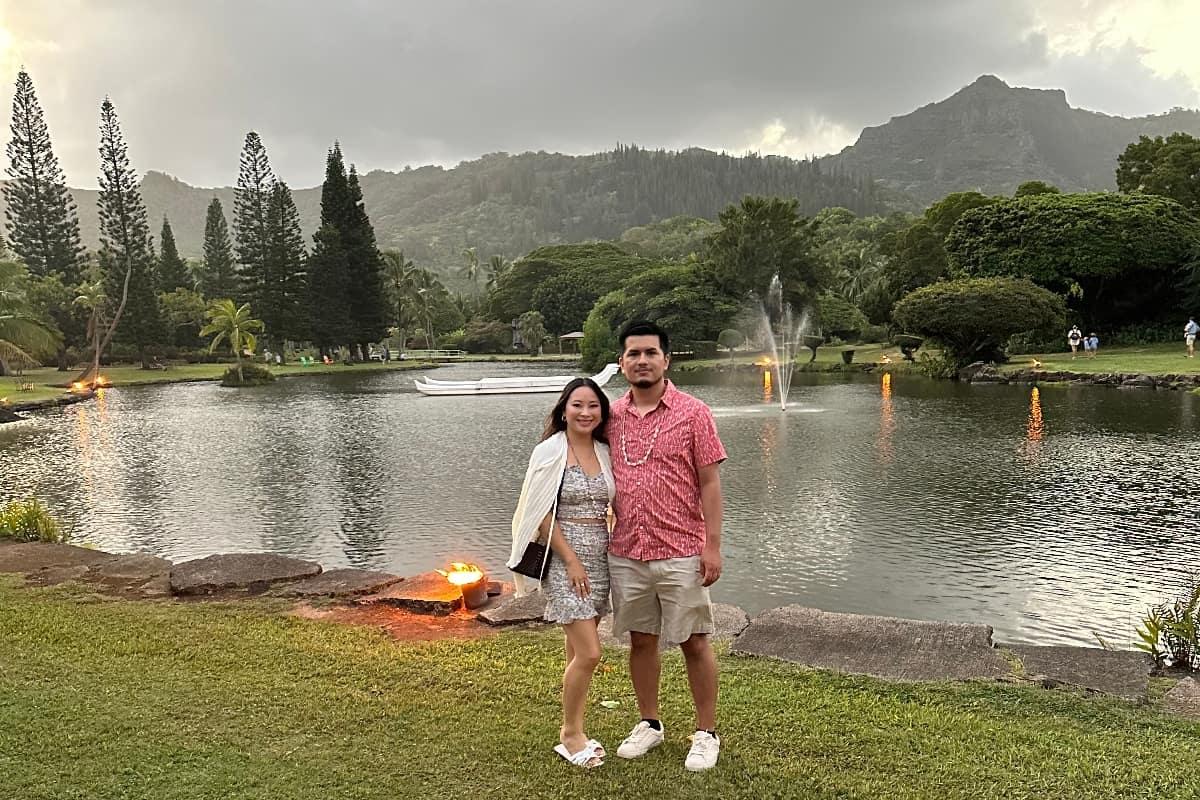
{"points": [[1123, 673], [28, 558], [515, 610], [135, 568], [251, 572], [427, 593], [340, 583], [883, 647], [729, 621], [1184, 699]]}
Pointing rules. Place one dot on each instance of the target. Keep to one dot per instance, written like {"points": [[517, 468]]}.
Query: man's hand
{"points": [[710, 566]]}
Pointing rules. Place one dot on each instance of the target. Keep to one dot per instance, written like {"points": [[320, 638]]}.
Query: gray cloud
{"points": [[413, 83]]}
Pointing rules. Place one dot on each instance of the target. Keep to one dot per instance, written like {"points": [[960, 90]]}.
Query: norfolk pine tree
{"points": [[328, 268], [251, 199], [368, 303], [286, 259], [217, 281], [172, 271], [43, 228], [126, 253]]}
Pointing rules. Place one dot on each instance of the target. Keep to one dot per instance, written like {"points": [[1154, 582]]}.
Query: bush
{"points": [[252, 375], [30, 521], [974, 318], [936, 366], [839, 317], [873, 333], [453, 340], [701, 349], [486, 336], [1170, 631], [730, 338]]}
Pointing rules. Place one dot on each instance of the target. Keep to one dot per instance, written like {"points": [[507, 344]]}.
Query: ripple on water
{"points": [[932, 501]]}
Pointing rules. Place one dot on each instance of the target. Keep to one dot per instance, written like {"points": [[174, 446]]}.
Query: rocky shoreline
{"points": [[981, 372], [425, 606]]}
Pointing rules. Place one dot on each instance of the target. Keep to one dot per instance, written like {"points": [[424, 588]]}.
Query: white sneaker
{"points": [[703, 755], [641, 740]]}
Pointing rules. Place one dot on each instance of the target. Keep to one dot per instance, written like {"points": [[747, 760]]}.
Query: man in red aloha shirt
{"points": [[665, 549]]}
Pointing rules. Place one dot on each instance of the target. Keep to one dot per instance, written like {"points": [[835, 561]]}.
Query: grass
{"points": [[114, 699], [49, 383], [829, 358], [1155, 359]]}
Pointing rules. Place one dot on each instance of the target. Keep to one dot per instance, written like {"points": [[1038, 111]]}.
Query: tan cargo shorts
{"points": [[663, 598]]}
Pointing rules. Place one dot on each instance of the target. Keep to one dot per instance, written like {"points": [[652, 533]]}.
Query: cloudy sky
{"points": [[408, 82]]}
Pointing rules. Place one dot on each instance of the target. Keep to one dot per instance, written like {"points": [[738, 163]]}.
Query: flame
{"points": [[101, 380], [78, 386], [885, 359], [461, 574], [1037, 364]]}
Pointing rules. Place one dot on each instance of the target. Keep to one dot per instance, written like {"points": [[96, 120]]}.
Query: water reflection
{"points": [[1036, 427], [832, 509], [887, 419]]}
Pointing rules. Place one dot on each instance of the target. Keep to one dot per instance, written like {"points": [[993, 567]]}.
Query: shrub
{"points": [[873, 333], [30, 521], [974, 318], [252, 375], [453, 340], [1170, 631], [486, 336], [730, 338]]}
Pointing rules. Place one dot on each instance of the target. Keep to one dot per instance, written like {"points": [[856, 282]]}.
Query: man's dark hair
{"points": [[641, 327]]}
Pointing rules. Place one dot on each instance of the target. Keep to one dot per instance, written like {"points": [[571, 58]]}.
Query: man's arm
{"points": [[712, 505]]}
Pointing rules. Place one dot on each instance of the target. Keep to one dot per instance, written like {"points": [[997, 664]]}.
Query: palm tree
{"points": [[401, 272], [497, 266], [234, 324], [471, 266], [92, 299], [21, 333]]}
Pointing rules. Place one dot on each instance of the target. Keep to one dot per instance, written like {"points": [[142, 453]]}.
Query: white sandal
{"points": [[586, 758]]}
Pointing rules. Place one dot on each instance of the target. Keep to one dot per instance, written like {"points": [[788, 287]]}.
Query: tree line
{"points": [[131, 294]]}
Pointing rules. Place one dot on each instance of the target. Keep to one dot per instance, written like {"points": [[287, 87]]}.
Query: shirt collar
{"points": [[670, 393]]}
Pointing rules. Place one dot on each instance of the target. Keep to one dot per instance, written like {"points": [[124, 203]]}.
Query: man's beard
{"points": [[645, 383]]}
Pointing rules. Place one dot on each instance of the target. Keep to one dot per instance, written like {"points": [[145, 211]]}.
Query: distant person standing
{"points": [[1074, 337], [1091, 344], [1189, 336]]}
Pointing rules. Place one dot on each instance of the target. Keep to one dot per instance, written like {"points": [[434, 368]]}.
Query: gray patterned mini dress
{"points": [[580, 498]]}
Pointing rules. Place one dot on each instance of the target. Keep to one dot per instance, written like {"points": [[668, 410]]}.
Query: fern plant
{"points": [[1170, 631], [30, 521]]}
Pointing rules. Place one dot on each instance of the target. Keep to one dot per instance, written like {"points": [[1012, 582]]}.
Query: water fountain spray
{"points": [[783, 331]]}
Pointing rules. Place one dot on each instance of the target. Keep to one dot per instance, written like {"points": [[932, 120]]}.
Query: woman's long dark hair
{"points": [[557, 420]]}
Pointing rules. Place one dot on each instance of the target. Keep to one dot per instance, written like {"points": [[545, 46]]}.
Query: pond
{"points": [[1055, 515]]}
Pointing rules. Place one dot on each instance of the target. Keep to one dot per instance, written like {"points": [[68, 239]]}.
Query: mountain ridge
{"points": [[992, 137]]}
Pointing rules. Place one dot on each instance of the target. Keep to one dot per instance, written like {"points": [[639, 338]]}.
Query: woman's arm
{"points": [[559, 545]]}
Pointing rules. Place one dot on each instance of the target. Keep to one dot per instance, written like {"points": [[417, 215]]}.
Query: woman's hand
{"points": [[577, 576]]}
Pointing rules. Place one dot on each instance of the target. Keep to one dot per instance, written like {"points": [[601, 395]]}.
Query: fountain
{"points": [[784, 335]]}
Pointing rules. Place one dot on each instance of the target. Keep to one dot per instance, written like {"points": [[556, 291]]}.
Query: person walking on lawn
{"points": [[1189, 336], [665, 549]]}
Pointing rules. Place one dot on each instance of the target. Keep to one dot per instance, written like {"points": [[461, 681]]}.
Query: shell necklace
{"points": [[649, 450]]}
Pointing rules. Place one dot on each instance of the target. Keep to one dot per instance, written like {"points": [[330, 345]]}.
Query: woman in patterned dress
{"points": [[576, 584]]}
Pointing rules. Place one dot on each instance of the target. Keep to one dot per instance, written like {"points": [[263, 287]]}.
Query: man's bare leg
{"points": [[702, 678], [644, 670]]}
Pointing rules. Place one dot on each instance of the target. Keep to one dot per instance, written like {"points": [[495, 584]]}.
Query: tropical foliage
{"points": [[973, 318], [233, 325], [30, 521]]}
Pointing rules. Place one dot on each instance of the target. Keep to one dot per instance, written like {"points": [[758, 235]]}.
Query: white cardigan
{"points": [[539, 497]]}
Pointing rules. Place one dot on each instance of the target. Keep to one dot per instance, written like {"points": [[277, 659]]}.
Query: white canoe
{"points": [[552, 383]]}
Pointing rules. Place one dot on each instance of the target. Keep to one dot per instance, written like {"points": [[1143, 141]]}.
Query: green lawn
{"points": [[827, 357], [1155, 359], [49, 383], [115, 699]]}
